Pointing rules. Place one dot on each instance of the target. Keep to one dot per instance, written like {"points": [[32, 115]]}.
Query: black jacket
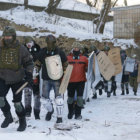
{"points": [[43, 54], [34, 51]]}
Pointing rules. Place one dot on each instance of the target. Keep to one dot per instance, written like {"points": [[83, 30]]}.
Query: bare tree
{"points": [[125, 3], [103, 16], [52, 5], [25, 3], [95, 2], [114, 3], [89, 3]]}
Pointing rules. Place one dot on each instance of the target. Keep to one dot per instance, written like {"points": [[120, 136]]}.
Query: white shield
{"points": [[54, 67]]}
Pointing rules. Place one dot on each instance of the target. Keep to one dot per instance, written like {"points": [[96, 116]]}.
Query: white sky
{"points": [[130, 2]]}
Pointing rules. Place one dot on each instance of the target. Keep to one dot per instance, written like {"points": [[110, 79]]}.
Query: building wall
{"points": [[125, 21]]}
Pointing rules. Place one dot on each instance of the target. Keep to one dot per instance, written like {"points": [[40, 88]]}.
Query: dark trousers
{"points": [[76, 87], [16, 98]]}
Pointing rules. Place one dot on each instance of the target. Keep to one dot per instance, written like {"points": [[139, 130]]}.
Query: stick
{"points": [[23, 86]]}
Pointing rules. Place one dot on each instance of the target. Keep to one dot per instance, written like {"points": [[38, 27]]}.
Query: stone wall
{"points": [[125, 21]]}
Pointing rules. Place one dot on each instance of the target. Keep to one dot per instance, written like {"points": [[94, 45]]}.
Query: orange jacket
{"points": [[79, 68]]}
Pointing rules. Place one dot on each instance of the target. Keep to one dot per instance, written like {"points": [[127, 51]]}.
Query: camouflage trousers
{"points": [[133, 83]]}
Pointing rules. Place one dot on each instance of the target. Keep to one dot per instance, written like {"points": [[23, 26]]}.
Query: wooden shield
{"points": [[54, 67], [65, 80], [130, 63], [114, 56], [107, 68], [138, 79]]}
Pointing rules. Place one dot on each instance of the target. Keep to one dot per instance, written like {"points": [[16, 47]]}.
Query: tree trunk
{"points": [[125, 2], [103, 16], [95, 2], [114, 3], [25, 2], [52, 6], [89, 3]]}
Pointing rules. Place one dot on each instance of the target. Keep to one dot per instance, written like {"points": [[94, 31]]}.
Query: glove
{"points": [[29, 79]]}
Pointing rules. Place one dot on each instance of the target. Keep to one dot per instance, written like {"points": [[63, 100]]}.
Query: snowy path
{"points": [[115, 118]]}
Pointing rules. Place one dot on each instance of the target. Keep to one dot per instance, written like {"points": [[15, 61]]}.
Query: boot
{"points": [[71, 111], [22, 124], [122, 92], [88, 100], [100, 92], [49, 115], [135, 93], [114, 93], [28, 111], [94, 96], [59, 120], [78, 115], [127, 91], [36, 114], [8, 119], [108, 94]]}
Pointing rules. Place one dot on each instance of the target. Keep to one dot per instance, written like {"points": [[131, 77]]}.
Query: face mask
{"points": [[30, 44], [51, 46], [8, 42], [76, 53]]}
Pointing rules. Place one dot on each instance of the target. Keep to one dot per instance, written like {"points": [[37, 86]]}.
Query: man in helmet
{"points": [[134, 76], [110, 86], [100, 84], [77, 80], [125, 74], [34, 49], [15, 68], [54, 62]]}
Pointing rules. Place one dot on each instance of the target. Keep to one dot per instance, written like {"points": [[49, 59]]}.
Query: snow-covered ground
{"points": [[114, 118], [80, 29]]}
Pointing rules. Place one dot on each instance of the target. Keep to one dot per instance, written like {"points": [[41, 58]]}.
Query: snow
{"points": [[76, 6], [42, 3], [114, 118], [13, 1], [80, 29]]}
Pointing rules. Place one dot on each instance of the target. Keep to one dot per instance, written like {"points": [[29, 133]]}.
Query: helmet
{"points": [[50, 38], [77, 45], [106, 48], [93, 48], [28, 39], [9, 31]]}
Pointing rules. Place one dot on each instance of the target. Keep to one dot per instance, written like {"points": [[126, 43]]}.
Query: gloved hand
{"points": [[29, 79]]}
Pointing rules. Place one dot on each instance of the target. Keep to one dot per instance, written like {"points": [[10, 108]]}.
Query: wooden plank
{"points": [[138, 79], [114, 56], [107, 68], [65, 80], [21, 88]]}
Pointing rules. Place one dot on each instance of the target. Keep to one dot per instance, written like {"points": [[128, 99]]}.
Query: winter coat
{"points": [[79, 68], [34, 50], [25, 63], [42, 56], [135, 72]]}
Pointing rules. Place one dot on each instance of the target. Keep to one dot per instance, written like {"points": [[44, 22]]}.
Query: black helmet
{"points": [[9, 31], [50, 38], [93, 48], [106, 48]]}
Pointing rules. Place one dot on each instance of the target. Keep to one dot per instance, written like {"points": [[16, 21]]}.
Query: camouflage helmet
{"points": [[93, 48], [28, 39], [77, 45], [106, 48], [9, 31], [50, 38]]}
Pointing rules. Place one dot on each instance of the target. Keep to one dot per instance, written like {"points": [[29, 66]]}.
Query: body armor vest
{"points": [[9, 58]]}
